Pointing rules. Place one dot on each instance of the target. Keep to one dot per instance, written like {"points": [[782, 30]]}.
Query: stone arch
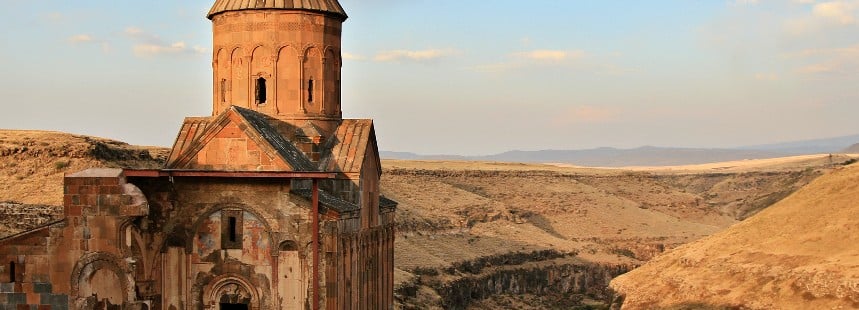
{"points": [[230, 288], [239, 77], [331, 104], [222, 80], [262, 66], [131, 244], [288, 80], [189, 244], [312, 80], [102, 266]]}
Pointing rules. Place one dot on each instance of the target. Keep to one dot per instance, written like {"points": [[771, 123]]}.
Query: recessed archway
{"points": [[231, 292]]}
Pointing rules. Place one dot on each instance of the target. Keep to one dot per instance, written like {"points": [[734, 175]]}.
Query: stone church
{"points": [[272, 202]]}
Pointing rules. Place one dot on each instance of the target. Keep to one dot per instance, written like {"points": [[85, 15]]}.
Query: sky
{"points": [[465, 77]]}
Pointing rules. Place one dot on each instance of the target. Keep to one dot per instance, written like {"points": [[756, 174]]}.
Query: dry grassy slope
{"points": [[32, 163], [495, 210], [801, 253]]}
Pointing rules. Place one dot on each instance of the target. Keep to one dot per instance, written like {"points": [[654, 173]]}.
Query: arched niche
{"points": [[223, 80], [261, 78], [332, 82], [313, 80], [288, 81], [101, 279], [239, 78]]}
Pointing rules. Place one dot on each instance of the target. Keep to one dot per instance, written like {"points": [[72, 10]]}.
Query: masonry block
{"points": [[42, 287]]}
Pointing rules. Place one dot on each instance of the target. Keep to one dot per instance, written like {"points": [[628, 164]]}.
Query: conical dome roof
{"points": [[323, 6]]}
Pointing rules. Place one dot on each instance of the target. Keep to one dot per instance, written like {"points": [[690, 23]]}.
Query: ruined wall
{"points": [[79, 262], [270, 253]]}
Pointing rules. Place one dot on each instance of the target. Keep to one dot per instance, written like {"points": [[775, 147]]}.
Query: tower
{"points": [[280, 58]]}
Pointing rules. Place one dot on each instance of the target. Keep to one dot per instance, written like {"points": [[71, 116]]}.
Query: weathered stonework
{"points": [[271, 203]]}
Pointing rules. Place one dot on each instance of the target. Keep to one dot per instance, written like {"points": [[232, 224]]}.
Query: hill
{"points": [[650, 155], [33, 162], [854, 149], [801, 253], [455, 213]]}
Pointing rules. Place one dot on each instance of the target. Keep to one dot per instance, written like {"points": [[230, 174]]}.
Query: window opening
{"points": [[310, 90], [233, 229], [223, 90], [11, 271], [260, 91]]}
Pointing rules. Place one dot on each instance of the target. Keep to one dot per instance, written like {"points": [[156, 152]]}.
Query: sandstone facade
{"points": [[270, 203]]}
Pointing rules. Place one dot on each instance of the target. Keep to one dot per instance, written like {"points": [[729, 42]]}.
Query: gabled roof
{"points": [[331, 7], [197, 132], [346, 149]]}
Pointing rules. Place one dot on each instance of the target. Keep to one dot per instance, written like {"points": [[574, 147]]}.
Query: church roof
{"points": [[323, 6], [343, 151], [346, 151], [197, 131]]}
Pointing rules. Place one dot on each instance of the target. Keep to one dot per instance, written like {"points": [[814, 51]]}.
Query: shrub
{"points": [[60, 165]]}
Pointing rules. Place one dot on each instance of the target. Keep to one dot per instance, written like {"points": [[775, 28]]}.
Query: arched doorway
{"points": [[231, 292], [225, 306]]}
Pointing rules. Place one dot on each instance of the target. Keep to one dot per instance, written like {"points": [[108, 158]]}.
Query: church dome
{"points": [[323, 6]]}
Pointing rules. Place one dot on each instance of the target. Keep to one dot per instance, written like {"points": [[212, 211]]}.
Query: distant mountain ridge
{"points": [[653, 156], [854, 149]]}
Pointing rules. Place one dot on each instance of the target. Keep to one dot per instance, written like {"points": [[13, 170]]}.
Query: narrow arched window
{"points": [[260, 90], [11, 272], [223, 90], [310, 90], [233, 233]]}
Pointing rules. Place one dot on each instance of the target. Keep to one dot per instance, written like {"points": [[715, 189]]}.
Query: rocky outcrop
{"points": [[16, 217], [561, 277]]}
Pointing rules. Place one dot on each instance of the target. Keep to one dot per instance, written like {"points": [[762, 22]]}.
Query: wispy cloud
{"points": [[538, 57], [844, 60], [744, 2], [841, 12], [81, 38], [550, 55], [414, 55], [86, 39], [149, 45], [350, 56]]}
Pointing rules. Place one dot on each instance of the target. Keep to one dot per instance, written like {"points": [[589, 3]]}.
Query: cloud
{"points": [[539, 57], [85, 39], [841, 12], [745, 2], [844, 60], [149, 45], [415, 56], [349, 56], [148, 50], [550, 55], [81, 38]]}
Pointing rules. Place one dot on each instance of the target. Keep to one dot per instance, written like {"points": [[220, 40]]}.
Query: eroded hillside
{"points": [[605, 220], [33, 162], [801, 253]]}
